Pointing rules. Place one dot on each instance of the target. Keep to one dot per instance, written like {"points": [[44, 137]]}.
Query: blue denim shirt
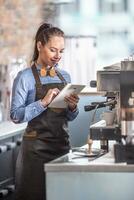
{"points": [[23, 105]]}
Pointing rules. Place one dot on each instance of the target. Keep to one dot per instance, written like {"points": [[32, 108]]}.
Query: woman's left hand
{"points": [[72, 101]]}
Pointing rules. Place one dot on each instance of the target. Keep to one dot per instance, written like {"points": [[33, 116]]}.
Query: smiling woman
{"points": [[46, 136]]}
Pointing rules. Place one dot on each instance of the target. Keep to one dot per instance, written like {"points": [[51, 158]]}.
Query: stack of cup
{"points": [[109, 117]]}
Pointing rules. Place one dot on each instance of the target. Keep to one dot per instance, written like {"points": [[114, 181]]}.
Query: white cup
{"points": [[109, 117]]}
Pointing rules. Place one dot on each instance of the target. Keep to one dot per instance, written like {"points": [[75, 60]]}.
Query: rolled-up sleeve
{"points": [[72, 115]]}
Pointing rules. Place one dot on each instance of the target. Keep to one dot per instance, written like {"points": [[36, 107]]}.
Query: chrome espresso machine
{"points": [[116, 82]]}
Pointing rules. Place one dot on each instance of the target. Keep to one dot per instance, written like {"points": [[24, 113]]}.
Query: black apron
{"points": [[45, 139]]}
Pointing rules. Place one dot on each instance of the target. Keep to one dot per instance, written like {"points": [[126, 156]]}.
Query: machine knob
{"points": [[3, 193], [3, 148], [10, 145], [19, 141], [10, 188], [93, 84]]}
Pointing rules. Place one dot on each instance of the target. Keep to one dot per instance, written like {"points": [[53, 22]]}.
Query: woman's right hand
{"points": [[51, 94]]}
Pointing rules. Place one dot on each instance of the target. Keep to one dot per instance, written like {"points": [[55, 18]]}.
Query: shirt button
{"points": [[34, 109]]}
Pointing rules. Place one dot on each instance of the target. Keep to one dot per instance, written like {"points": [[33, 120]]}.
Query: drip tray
{"points": [[78, 153]]}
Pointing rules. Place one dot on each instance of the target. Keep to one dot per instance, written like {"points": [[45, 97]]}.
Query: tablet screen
{"points": [[58, 101]]}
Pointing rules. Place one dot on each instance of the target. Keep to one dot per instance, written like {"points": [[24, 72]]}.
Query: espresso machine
{"points": [[116, 83]]}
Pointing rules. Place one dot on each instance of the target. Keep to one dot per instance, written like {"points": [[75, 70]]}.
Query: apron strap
{"points": [[61, 77], [36, 76]]}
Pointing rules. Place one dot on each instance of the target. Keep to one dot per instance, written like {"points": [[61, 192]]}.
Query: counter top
{"points": [[8, 129], [72, 163]]}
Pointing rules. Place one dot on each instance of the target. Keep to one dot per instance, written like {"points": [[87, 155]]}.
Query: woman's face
{"points": [[50, 53]]}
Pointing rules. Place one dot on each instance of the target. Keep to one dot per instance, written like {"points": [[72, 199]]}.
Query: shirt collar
{"points": [[39, 66]]}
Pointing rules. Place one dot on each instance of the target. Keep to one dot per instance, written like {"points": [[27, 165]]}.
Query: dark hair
{"points": [[44, 33]]}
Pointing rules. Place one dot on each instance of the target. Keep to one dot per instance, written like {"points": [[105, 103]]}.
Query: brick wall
{"points": [[19, 20]]}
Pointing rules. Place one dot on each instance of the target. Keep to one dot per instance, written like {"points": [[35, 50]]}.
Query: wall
{"points": [[18, 22], [79, 128]]}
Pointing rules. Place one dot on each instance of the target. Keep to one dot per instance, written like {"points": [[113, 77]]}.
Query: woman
{"points": [[46, 136]]}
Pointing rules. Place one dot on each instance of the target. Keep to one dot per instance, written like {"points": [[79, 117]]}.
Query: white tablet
{"points": [[58, 101]]}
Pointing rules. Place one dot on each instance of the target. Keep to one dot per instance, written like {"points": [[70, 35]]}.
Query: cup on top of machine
{"points": [[109, 117]]}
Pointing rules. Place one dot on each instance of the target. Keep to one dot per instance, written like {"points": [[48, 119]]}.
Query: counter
{"points": [[70, 163], [10, 140], [9, 129], [70, 178]]}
